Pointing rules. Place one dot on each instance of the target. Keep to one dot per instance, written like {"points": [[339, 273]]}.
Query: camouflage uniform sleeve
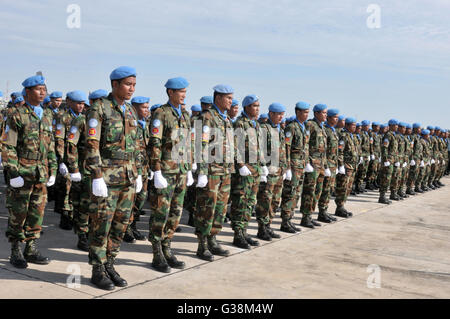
{"points": [[93, 133], [155, 143], [341, 149], [59, 136], [140, 149], [72, 148], [9, 142], [288, 136], [51, 157], [385, 148], [206, 122]]}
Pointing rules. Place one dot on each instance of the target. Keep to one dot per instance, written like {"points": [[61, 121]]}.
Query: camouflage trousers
{"points": [[109, 220], [432, 174], [139, 199], [372, 171], [362, 171], [395, 179], [312, 189], [212, 202], [244, 190], [404, 177], [344, 183], [423, 173], [26, 207], [268, 198], [385, 177], [292, 190], [167, 206], [62, 195], [412, 176], [80, 196], [328, 182]]}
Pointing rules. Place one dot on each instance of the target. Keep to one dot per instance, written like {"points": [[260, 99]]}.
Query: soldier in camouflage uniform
{"points": [[297, 150], [355, 191], [425, 162], [270, 187], [112, 161], [332, 160], [366, 143], [405, 161], [433, 153], [347, 164], [415, 158], [442, 158], [170, 158], [316, 168], [249, 168], [214, 173], [28, 153], [375, 157], [389, 158]]}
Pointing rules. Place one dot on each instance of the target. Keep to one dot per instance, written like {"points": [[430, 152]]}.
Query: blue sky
{"points": [[282, 51]]}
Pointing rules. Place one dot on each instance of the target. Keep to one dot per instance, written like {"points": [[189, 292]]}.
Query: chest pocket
{"points": [[113, 128]]}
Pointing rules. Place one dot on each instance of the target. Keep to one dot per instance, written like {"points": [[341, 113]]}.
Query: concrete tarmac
{"points": [[384, 251]]}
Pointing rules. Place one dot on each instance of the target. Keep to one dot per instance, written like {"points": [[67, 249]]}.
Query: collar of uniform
{"points": [[222, 115], [319, 123], [301, 125], [329, 126], [273, 125], [176, 109], [122, 107], [73, 113], [246, 115], [31, 108]]}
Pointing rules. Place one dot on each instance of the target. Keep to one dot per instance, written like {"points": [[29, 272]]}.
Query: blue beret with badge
{"points": [[408, 126], [277, 108], [333, 112], [249, 99], [86, 102], [140, 100], [319, 107], [16, 94], [375, 123], [437, 128], [235, 102], [98, 94], [77, 96], [358, 124], [341, 117], [56, 95], [429, 127], [223, 88], [402, 124], [206, 100], [33, 81], [350, 120], [122, 72], [302, 106], [196, 108], [263, 116], [176, 83], [425, 132]]}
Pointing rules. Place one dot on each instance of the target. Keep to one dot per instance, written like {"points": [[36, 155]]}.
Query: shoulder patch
{"points": [[156, 123], [93, 123]]}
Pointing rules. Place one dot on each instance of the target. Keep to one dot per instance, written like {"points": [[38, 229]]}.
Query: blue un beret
{"points": [[263, 116], [283, 120], [277, 108], [365, 123], [98, 94], [46, 100], [207, 100], [77, 96], [416, 125], [429, 127], [358, 124], [24, 93], [249, 99], [196, 108], [350, 120], [425, 132], [235, 102], [341, 117], [33, 81], [382, 126], [409, 126], [319, 107], [223, 88], [302, 106], [333, 112], [56, 95], [393, 122], [122, 72], [176, 83], [437, 128], [140, 100], [16, 94], [402, 124], [18, 99], [155, 106], [375, 123]]}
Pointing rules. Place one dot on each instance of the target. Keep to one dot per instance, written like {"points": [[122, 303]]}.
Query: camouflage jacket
{"points": [[76, 146], [426, 153], [214, 124], [169, 149], [271, 132], [365, 144], [401, 147], [389, 148], [297, 144], [28, 145], [317, 144], [332, 146], [63, 123], [357, 141], [111, 142], [375, 145], [143, 139], [409, 147], [348, 155]]}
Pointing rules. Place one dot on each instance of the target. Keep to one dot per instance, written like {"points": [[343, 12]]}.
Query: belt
{"points": [[117, 155], [31, 156]]}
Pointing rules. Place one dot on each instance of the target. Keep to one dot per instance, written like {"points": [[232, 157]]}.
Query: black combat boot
{"points": [[215, 248], [307, 221], [435, 184], [409, 191], [239, 239], [170, 257], [370, 186], [113, 275], [430, 186], [394, 196], [271, 232], [17, 259], [33, 255], [191, 219], [383, 199], [83, 242], [202, 250], [159, 262], [324, 217], [263, 233], [136, 233], [286, 227], [440, 184], [249, 240], [417, 189], [100, 278], [65, 222], [129, 237], [342, 212]]}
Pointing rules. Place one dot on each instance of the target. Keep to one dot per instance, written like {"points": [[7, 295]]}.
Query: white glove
{"points": [[422, 164], [194, 167], [432, 161], [202, 180], [386, 164], [151, 175], [244, 171], [327, 172], [361, 160], [379, 159], [289, 175], [284, 176], [372, 157], [190, 179], [337, 170], [413, 163], [368, 158], [309, 168], [397, 164], [265, 170], [75, 177], [17, 182], [51, 181], [63, 169], [160, 181], [404, 164], [438, 162], [341, 170], [263, 179], [138, 184], [99, 187]]}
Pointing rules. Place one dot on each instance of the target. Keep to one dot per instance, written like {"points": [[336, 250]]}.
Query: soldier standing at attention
{"points": [[29, 155], [389, 157], [375, 156], [366, 143], [169, 136], [111, 159]]}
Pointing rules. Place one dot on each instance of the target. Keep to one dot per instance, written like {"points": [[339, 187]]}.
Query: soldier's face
{"points": [[233, 111], [224, 101], [351, 127], [124, 89], [36, 94], [332, 120], [253, 110], [177, 97], [341, 123], [77, 107], [55, 103], [402, 130], [276, 117], [195, 113], [142, 110], [302, 115], [365, 128], [408, 131], [375, 128], [321, 116]]}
